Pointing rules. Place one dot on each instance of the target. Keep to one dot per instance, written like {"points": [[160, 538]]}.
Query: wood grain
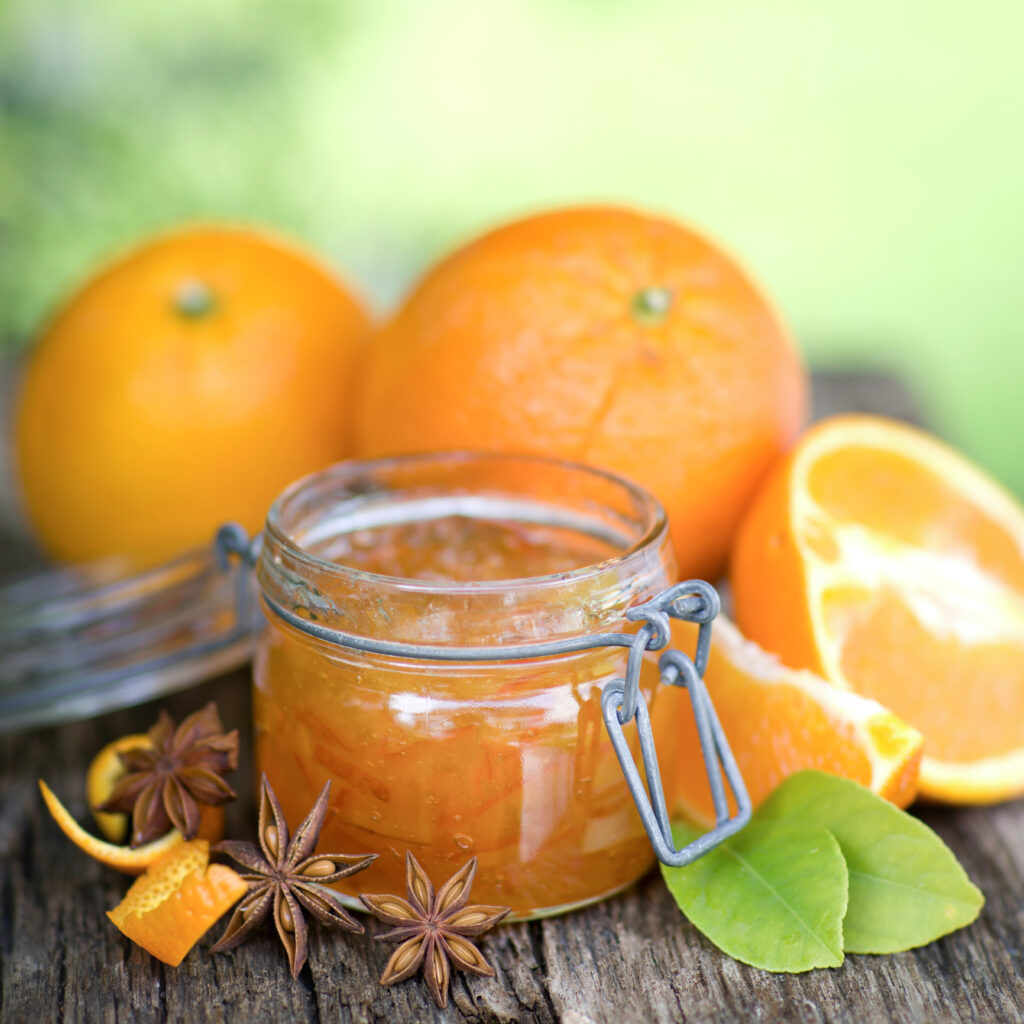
{"points": [[631, 959]]}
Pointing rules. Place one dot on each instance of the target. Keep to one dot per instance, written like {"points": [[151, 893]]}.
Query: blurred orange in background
{"points": [[182, 387], [861, 157], [602, 335]]}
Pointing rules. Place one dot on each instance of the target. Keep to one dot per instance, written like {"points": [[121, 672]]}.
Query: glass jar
{"points": [[506, 760]]}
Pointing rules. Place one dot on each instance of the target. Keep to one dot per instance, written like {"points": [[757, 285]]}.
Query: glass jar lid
{"points": [[82, 640]]}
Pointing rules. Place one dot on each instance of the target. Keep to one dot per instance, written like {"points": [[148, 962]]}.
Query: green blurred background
{"points": [[864, 159]]}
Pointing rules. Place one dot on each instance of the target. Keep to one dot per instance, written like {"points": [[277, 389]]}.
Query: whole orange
{"points": [[603, 335], [183, 386]]}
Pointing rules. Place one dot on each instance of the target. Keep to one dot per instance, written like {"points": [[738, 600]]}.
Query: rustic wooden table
{"points": [[633, 958]]}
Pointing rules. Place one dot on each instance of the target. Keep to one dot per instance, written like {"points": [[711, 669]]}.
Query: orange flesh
{"points": [[889, 648], [884, 641], [766, 755], [508, 762], [896, 570], [908, 503]]}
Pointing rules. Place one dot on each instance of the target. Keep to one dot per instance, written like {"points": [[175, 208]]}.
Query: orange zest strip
{"points": [[169, 909], [121, 858]]}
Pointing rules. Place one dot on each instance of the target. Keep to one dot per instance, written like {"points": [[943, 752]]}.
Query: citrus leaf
{"points": [[772, 896], [906, 886]]}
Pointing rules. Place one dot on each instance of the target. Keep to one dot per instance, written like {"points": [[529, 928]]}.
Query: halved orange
{"points": [[122, 858], [106, 769], [880, 558], [779, 721], [169, 909]]}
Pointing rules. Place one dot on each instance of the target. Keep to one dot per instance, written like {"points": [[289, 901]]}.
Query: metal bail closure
{"points": [[692, 601]]}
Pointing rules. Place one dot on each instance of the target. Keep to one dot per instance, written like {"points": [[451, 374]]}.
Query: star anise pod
{"points": [[287, 878], [434, 928], [165, 784]]}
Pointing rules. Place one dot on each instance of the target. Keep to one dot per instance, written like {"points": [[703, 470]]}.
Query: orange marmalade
{"points": [[507, 760]]}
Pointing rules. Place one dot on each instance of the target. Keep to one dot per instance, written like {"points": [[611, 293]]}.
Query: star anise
{"points": [[287, 878], [164, 784], [434, 928]]}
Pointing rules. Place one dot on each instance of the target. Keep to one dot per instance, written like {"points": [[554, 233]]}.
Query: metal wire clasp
{"points": [[232, 542], [692, 601]]}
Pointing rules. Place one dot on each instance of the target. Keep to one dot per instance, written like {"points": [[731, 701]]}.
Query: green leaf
{"points": [[906, 886], [772, 896]]}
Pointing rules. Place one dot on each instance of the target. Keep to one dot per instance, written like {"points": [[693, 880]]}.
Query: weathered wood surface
{"points": [[633, 958]]}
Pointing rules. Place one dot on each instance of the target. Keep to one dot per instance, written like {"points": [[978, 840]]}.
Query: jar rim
{"points": [[653, 530]]}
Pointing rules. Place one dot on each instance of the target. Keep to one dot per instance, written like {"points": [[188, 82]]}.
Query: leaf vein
{"points": [[881, 880], [775, 892]]}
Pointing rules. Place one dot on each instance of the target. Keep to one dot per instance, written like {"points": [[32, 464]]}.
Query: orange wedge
{"points": [[779, 721], [106, 769], [880, 558], [169, 909], [123, 858]]}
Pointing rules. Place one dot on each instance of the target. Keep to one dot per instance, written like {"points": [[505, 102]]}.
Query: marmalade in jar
{"points": [[505, 760]]}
